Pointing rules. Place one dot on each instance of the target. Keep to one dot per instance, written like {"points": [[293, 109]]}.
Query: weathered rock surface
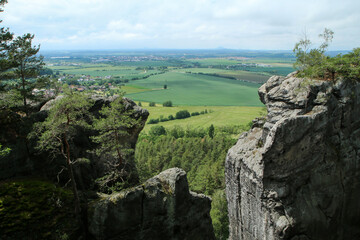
{"points": [[161, 208], [297, 174]]}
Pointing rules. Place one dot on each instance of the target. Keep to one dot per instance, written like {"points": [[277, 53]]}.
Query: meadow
{"points": [[219, 116]]}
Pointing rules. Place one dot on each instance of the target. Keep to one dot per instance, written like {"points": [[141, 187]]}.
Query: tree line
{"points": [[182, 114]]}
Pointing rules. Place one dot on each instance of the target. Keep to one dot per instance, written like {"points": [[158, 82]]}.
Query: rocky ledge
{"points": [[161, 208], [296, 173]]}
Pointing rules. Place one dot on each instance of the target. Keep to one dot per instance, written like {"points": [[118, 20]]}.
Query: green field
{"points": [[197, 90], [218, 116], [134, 89]]}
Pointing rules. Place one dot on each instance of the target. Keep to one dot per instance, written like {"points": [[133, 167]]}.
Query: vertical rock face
{"points": [[296, 175], [161, 208]]}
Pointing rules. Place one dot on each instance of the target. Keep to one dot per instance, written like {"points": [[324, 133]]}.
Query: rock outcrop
{"points": [[161, 208], [296, 174]]}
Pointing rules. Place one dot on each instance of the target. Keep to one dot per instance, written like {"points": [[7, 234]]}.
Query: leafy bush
{"points": [[167, 104], [195, 114], [314, 63], [157, 131], [171, 117], [153, 121], [163, 120], [182, 114], [152, 104]]}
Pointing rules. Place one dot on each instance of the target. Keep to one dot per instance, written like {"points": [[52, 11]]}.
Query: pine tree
{"points": [[24, 56], [57, 131], [113, 128], [211, 131]]}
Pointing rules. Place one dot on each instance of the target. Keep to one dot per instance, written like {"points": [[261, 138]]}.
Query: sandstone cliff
{"points": [[161, 208], [296, 174]]}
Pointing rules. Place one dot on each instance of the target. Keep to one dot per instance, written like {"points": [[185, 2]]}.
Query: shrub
{"points": [[171, 117], [157, 131], [153, 121], [162, 119], [182, 114], [152, 104], [167, 104], [195, 114]]}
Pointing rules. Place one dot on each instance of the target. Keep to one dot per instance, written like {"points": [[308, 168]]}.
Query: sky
{"points": [[183, 24]]}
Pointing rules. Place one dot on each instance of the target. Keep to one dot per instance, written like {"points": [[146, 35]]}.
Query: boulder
{"points": [[161, 208]]}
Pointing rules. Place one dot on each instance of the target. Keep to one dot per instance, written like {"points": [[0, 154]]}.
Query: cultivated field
{"points": [[197, 90]]}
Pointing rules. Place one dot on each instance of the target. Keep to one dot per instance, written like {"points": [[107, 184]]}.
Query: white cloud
{"points": [[254, 24]]}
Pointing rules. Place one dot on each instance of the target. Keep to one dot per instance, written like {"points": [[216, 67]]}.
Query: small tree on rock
{"points": [[57, 131], [113, 126]]}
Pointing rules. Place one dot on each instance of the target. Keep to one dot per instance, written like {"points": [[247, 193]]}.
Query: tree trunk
{"points": [[72, 177], [78, 212], [23, 88], [117, 149]]}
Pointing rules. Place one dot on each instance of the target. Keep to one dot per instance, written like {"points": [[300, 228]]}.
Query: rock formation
{"points": [[161, 208], [296, 174]]}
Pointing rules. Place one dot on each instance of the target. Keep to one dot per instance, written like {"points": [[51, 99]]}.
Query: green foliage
{"points": [[219, 215], [153, 121], [202, 157], [27, 64], [157, 131], [4, 151], [152, 104], [38, 206], [211, 131], [6, 64], [65, 116], [57, 132], [348, 65], [167, 104], [113, 128], [313, 63], [182, 114], [192, 150]]}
